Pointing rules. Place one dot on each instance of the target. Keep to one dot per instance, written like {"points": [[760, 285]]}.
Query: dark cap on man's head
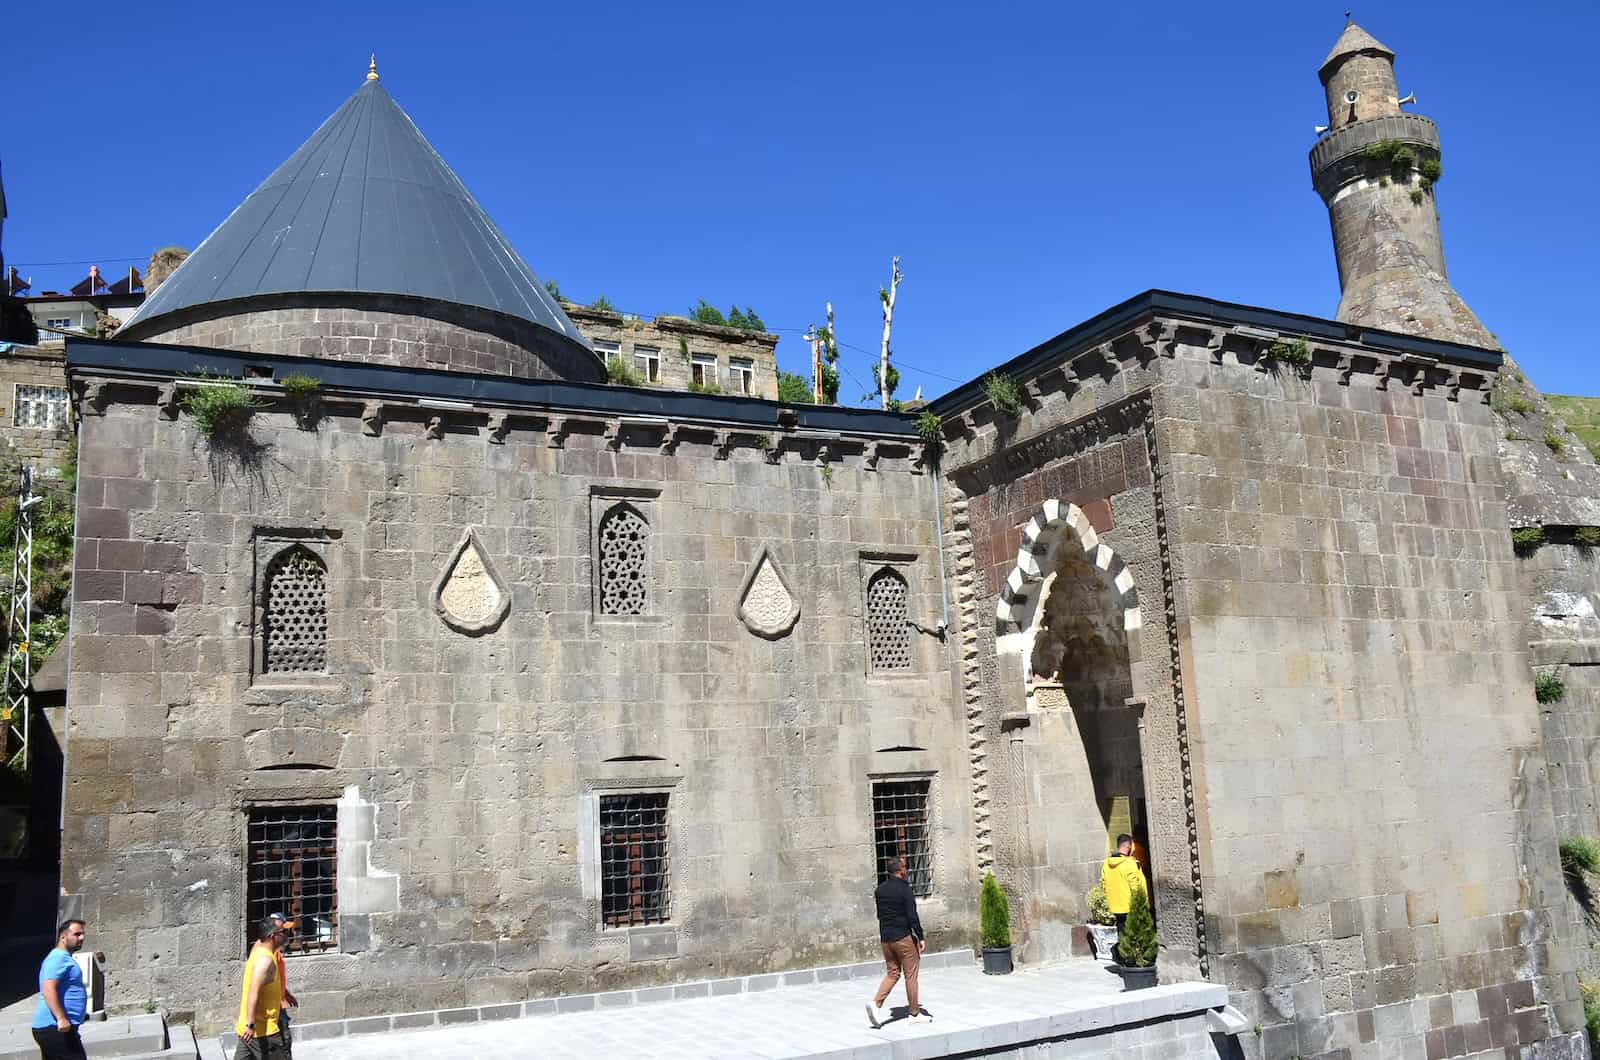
{"points": [[269, 927]]}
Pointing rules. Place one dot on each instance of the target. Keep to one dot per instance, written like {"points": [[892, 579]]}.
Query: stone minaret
{"points": [[1372, 168]]}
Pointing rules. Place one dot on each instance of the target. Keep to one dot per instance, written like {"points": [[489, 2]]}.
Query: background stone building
{"points": [[512, 684]]}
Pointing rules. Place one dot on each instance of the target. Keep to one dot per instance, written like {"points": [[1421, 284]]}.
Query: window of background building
{"points": [[41, 406], [634, 881], [59, 322], [703, 370], [647, 362], [900, 829], [742, 375], [291, 867], [607, 350]]}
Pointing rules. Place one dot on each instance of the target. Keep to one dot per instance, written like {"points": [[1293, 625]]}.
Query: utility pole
{"points": [[887, 297], [19, 627], [816, 363]]}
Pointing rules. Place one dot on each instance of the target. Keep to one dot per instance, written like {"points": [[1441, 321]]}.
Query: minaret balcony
{"points": [[1337, 158]]}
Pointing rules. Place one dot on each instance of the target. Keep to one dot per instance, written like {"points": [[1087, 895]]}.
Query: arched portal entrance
{"points": [[1070, 612]]}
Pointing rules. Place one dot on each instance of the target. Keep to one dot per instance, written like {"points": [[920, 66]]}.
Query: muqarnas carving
{"points": [[767, 606], [469, 594]]}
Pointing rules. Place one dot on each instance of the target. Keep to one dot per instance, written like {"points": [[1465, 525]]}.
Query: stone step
{"points": [[128, 1037]]}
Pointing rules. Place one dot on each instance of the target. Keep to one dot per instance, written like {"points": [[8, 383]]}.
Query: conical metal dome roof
{"points": [[366, 205]]}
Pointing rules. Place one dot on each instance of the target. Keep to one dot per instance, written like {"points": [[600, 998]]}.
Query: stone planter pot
{"points": [[1137, 978], [1103, 937], [997, 961]]}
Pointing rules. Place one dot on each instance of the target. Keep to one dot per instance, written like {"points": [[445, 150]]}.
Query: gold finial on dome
{"points": [[372, 68]]}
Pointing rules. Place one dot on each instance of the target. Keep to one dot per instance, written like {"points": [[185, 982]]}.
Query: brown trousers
{"points": [[900, 957]]}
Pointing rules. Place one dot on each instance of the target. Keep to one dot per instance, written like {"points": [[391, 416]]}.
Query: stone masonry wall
{"points": [[383, 329], [41, 447], [1350, 687], [465, 767], [1380, 851]]}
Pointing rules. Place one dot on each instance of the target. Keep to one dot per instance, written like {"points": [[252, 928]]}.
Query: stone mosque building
{"points": [[511, 683]]}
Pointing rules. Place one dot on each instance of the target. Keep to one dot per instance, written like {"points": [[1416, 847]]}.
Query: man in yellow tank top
{"points": [[261, 998]]}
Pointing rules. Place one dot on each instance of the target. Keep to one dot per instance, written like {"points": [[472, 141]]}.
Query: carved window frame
{"points": [[603, 500], [268, 545], [903, 563], [650, 777]]}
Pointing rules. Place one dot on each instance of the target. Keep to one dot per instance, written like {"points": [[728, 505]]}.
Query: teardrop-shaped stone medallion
{"points": [[469, 594]]}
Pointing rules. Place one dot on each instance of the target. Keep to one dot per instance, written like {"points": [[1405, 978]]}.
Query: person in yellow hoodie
{"points": [[261, 998], [1121, 876]]}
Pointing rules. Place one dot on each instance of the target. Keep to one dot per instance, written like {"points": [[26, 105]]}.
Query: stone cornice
{"points": [[436, 419], [1148, 325], [1259, 349]]}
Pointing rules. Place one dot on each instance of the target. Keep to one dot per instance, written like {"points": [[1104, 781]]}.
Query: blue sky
{"points": [[1032, 164]]}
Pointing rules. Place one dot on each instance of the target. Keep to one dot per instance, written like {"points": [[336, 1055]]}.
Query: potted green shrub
{"points": [[1102, 924], [994, 920], [1136, 950]]}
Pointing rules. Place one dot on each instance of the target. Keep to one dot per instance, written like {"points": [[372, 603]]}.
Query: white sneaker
{"points": [[921, 1017], [876, 1016]]}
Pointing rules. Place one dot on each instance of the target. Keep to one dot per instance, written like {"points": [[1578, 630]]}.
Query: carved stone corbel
{"points": [[613, 435], [498, 428], [669, 439], [94, 398], [372, 418], [869, 456], [1155, 335], [1345, 365], [556, 430], [1214, 337], [435, 427], [723, 441], [167, 400], [774, 450]]}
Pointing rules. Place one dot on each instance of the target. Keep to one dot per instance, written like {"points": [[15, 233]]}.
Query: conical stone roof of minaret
{"points": [[1354, 39], [365, 225]]}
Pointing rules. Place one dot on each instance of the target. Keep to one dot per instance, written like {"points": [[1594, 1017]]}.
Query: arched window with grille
{"points": [[294, 614], [888, 629], [623, 561]]}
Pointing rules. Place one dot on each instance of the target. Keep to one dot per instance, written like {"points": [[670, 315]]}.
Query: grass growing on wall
{"points": [[218, 407]]}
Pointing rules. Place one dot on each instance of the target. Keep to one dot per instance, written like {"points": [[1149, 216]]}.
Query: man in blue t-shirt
{"points": [[63, 1001]]}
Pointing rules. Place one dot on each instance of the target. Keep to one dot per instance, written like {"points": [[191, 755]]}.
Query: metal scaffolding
{"points": [[19, 627]]}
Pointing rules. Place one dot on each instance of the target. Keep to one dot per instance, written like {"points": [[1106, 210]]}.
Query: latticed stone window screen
{"points": [[624, 562], [900, 830], [295, 619], [888, 628], [41, 406]]}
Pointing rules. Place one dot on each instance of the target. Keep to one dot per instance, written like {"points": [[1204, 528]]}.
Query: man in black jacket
{"points": [[900, 932]]}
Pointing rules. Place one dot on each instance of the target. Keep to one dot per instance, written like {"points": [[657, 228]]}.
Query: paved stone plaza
{"points": [[971, 1012]]}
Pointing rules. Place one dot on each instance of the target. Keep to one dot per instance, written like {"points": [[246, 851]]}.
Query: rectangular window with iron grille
{"points": [[292, 868], [900, 829], [634, 883]]}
